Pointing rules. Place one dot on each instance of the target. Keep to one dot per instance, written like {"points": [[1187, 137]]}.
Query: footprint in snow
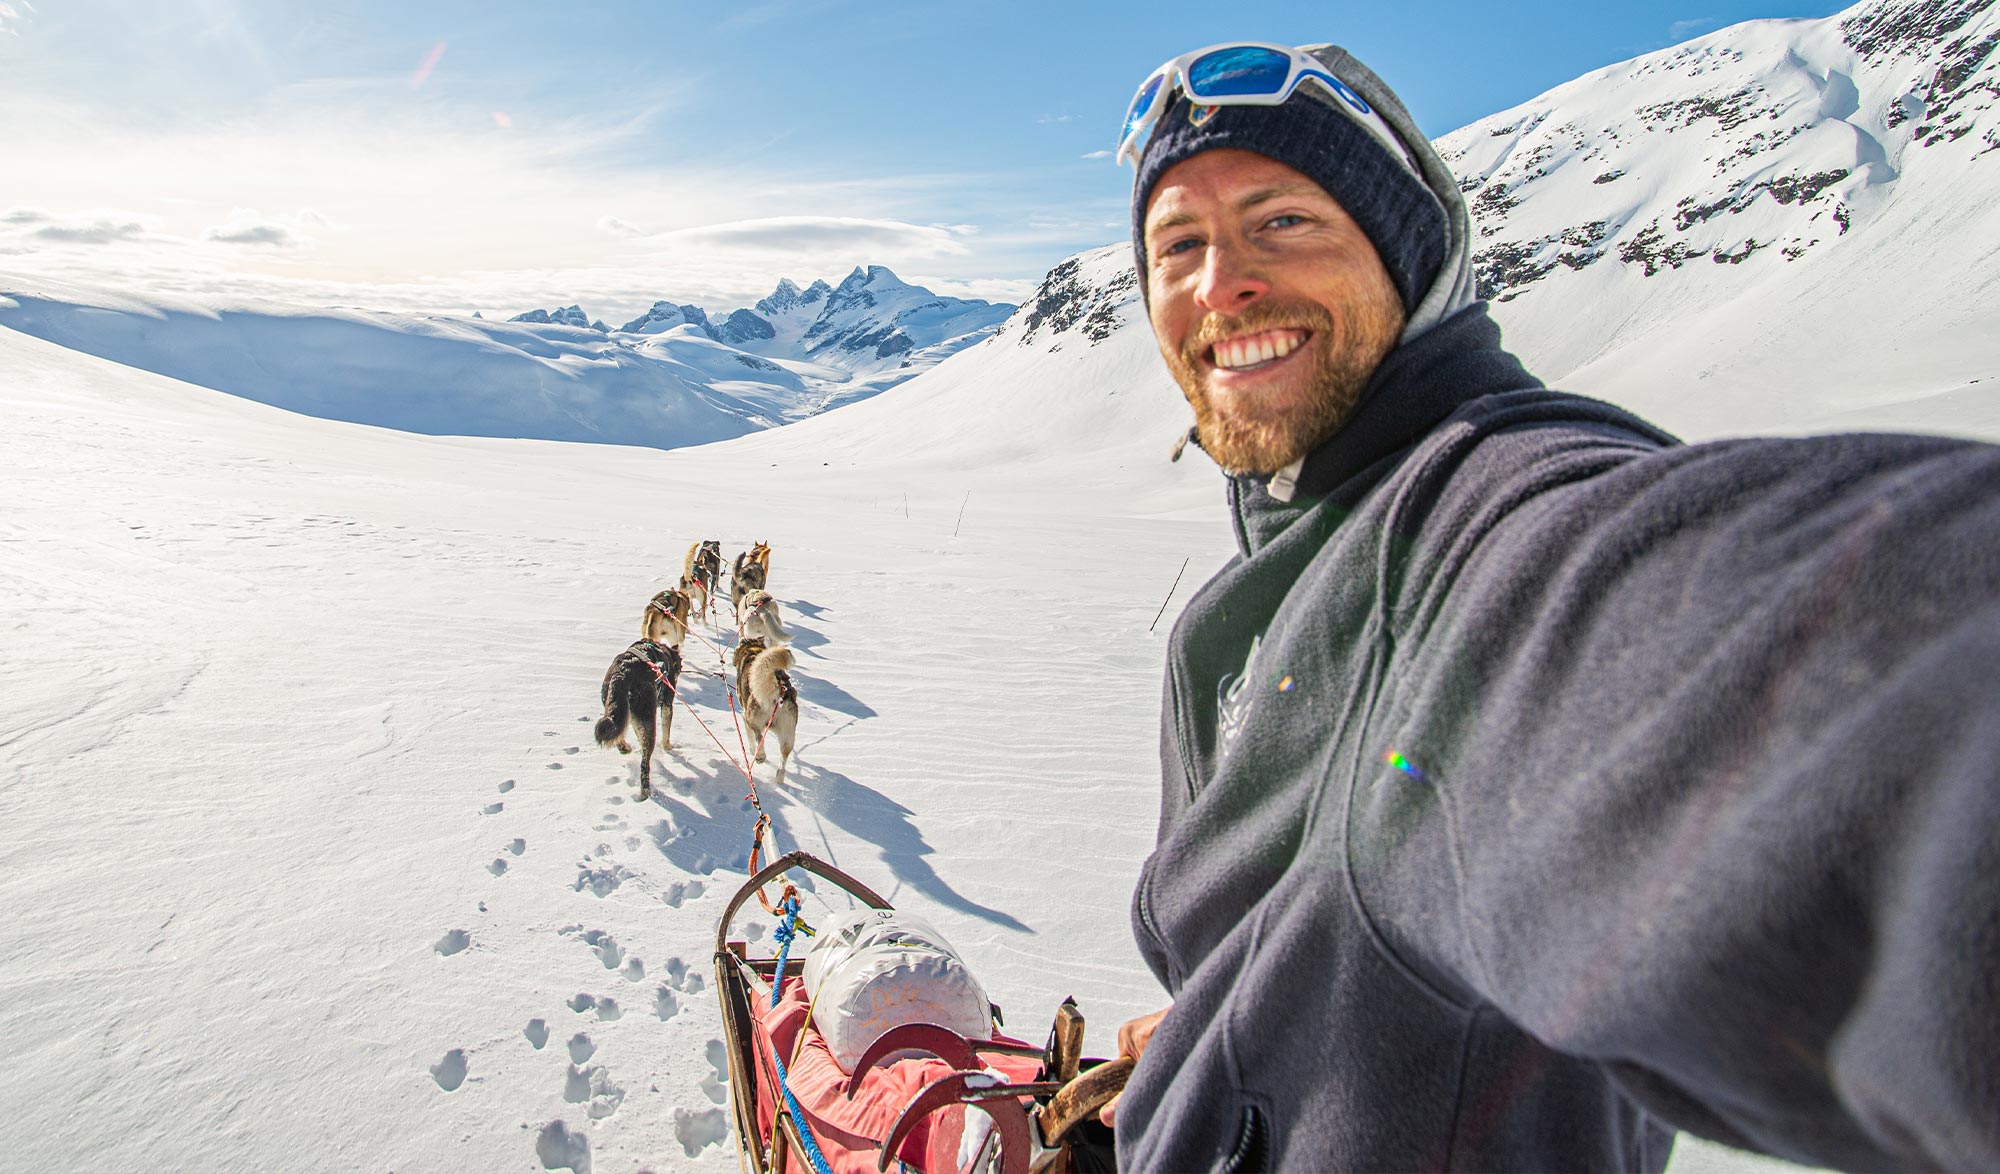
{"points": [[681, 978], [559, 1149], [506, 786], [697, 1129], [537, 1032], [664, 1004], [605, 947], [517, 846], [635, 970], [492, 809], [601, 881], [592, 1087], [712, 1084], [452, 942], [498, 866], [450, 1071], [571, 749], [581, 1048], [679, 892], [555, 766], [605, 1006]]}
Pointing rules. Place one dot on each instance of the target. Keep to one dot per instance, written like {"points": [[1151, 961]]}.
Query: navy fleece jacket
{"points": [[1535, 785]]}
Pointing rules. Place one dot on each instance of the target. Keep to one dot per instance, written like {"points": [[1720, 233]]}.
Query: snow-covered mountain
{"points": [[1694, 229], [872, 322], [670, 378], [571, 315], [430, 374], [874, 326]]}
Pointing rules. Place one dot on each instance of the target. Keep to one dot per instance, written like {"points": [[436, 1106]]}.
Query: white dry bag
{"points": [[881, 968]]}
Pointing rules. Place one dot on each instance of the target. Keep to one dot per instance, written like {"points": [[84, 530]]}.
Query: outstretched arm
{"points": [[1700, 778]]}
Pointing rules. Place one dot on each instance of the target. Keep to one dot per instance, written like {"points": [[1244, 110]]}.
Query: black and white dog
{"points": [[639, 692]]}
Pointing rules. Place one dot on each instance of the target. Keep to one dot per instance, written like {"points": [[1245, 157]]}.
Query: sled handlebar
{"points": [[779, 867]]}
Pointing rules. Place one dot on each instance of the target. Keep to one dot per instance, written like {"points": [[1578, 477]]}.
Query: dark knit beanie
{"points": [[1401, 215]]}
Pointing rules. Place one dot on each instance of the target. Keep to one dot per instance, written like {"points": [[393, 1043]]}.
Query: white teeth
{"points": [[1236, 353]]}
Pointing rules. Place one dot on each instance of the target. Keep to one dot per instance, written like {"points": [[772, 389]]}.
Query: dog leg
{"points": [[644, 716], [787, 728], [757, 717]]}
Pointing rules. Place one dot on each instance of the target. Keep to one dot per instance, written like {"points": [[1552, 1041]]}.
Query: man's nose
{"points": [[1227, 284]]}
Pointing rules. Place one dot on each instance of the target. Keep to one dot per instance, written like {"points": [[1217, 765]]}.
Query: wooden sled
{"points": [[914, 1109]]}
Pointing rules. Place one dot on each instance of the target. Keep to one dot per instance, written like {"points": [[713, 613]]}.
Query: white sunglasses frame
{"points": [[1133, 135]]}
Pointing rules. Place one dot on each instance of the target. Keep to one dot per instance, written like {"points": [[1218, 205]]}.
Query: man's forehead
{"points": [[1228, 179]]}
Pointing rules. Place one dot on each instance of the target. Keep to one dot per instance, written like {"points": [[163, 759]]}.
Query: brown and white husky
{"points": [[770, 702], [666, 618]]}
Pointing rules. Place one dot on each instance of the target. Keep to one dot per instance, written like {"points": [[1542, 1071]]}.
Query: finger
{"points": [[1109, 1113]]}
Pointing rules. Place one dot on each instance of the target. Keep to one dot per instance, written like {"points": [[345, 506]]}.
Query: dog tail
{"points": [[766, 669], [612, 724]]}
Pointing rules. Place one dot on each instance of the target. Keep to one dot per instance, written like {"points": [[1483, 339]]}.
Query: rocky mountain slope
{"points": [[1724, 211]]}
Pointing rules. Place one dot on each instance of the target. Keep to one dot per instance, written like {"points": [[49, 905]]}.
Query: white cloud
{"points": [[789, 234], [991, 289], [14, 14], [438, 211], [1104, 154], [1681, 30], [617, 227], [24, 228], [247, 226]]}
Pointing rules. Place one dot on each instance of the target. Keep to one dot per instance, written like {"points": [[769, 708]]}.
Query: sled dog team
{"points": [[639, 687]]}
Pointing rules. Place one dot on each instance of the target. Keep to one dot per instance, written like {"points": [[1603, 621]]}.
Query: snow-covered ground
{"points": [[303, 809]]}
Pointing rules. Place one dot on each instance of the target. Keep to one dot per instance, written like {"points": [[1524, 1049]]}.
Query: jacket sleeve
{"points": [[1707, 746]]}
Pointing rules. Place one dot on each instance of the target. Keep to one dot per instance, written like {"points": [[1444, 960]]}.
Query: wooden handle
{"points": [[1081, 1098]]}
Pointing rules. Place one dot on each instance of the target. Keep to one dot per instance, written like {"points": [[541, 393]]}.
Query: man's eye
{"points": [[1285, 221], [1179, 246]]}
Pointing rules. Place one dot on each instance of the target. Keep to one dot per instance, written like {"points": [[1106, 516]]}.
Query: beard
{"points": [[1264, 433]]}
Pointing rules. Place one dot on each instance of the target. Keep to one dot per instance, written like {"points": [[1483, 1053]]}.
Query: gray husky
{"points": [[757, 619]]}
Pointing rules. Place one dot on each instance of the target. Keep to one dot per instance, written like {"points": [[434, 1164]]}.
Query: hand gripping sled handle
{"points": [[1081, 1098]]}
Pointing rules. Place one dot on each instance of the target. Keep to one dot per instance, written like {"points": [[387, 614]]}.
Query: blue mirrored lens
{"points": [[1143, 103], [1239, 70]]}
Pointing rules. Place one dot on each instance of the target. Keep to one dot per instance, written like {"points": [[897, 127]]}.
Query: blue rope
{"points": [[787, 930]]}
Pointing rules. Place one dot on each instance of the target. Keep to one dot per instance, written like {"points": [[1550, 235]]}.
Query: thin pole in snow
{"points": [[1170, 595], [961, 513], [906, 503]]}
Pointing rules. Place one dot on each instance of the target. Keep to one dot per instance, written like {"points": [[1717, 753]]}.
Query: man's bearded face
{"points": [[1270, 305]]}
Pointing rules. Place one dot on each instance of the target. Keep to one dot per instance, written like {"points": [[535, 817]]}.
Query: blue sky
{"points": [[452, 156]]}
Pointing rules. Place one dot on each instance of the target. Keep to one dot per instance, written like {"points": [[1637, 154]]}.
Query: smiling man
{"points": [[1534, 785]]}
